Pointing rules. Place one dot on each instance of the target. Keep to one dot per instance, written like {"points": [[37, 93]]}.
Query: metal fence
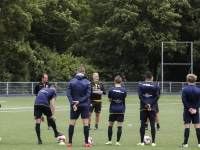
{"points": [[23, 89]]}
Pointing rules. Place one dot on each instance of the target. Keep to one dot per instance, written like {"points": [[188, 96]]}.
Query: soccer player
{"points": [[97, 89], [157, 116], [116, 97], [40, 85], [191, 102], [78, 93], [148, 93], [41, 106]]}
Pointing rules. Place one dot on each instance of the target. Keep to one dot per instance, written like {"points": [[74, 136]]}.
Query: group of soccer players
{"points": [[79, 90]]}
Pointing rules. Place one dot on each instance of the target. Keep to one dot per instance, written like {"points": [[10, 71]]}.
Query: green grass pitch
{"points": [[17, 126]]}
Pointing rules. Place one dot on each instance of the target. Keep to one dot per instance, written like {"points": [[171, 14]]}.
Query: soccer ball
{"points": [[147, 140], [90, 140], [61, 139]]}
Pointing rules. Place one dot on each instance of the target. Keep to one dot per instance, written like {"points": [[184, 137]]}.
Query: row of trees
{"points": [[112, 37]]}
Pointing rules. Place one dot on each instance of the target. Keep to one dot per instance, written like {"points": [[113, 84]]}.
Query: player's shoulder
{"points": [[48, 83], [39, 83], [122, 88]]}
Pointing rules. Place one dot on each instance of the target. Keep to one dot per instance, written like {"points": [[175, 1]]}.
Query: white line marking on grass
{"points": [[23, 109], [2, 101]]}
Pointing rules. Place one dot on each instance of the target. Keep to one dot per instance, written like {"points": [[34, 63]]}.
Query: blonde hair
{"points": [[191, 78], [118, 79]]}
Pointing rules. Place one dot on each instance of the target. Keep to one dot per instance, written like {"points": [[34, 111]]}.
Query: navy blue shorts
{"points": [[39, 109], [147, 114], [83, 110], [187, 117], [96, 106], [116, 117]]}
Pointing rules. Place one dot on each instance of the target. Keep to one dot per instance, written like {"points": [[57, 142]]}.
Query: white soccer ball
{"points": [[61, 139], [90, 140], [147, 140]]}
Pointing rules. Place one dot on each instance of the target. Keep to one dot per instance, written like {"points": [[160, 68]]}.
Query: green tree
{"points": [[16, 54]]}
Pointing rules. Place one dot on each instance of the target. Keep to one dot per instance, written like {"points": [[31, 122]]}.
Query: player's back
{"points": [[192, 95], [44, 95], [149, 91], [118, 95], [78, 88]]}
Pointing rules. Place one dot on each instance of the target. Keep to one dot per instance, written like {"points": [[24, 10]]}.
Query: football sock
{"points": [[71, 132], [186, 135], [158, 126], [109, 133], [119, 133], [198, 135], [53, 124], [48, 122], [37, 129], [96, 125], [153, 132], [146, 125], [88, 125], [86, 133], [142, 132]]}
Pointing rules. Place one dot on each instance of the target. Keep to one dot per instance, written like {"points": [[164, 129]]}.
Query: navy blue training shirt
{"points": [[191, 97], [149, 92], [44, 95], [118, 95]]}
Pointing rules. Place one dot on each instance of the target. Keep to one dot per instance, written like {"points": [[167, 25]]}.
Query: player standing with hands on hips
{"points": [[116, 97], [191, 102], [97, 89], [78, 93], [148, 93]]}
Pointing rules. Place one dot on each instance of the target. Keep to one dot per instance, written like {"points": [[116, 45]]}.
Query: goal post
{"points": [[191, 63]]}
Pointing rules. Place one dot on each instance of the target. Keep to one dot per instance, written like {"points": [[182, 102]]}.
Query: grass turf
{"points": [[17, 126]]}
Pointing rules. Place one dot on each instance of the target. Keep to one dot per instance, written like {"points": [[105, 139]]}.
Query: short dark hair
{"points": [[81, 69], [118, 79], [43, 75], [148, 74], [53, 86]]}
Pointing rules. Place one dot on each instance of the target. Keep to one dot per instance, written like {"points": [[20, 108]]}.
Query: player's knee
{"points": [[152, 124]]}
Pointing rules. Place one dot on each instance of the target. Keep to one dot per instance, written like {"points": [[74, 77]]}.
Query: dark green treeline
{"points": [[112, 37]]}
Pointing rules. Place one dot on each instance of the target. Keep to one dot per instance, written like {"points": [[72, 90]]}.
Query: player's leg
{"points": [[49, 123], [85, 117], [157, 122], [37, 116], [119, 126], [152, 117], [146, 125], [157, 118], [110, 132], [143, 120], [97, 113], [91, 108], [187, 121], [73, 117], [48, 113], [195, 121]]}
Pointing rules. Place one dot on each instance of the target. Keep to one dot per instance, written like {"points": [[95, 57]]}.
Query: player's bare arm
{"points": [[53, 108]]}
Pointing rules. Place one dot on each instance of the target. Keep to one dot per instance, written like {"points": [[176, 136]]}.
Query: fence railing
{"points": [[27, 88]]}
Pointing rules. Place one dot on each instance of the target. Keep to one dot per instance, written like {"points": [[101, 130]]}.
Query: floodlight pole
{"points": [[191, 64]]}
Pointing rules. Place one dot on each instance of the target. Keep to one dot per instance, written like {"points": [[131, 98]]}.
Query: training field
{"points": [[17, 126]]}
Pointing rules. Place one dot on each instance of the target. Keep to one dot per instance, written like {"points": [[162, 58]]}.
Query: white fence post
{"points": [[7, 88]]}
